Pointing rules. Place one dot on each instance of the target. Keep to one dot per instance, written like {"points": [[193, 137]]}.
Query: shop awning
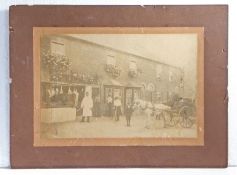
{"points": [[111, 82], [133, 84]]}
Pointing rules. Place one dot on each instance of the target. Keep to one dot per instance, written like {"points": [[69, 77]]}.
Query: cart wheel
{"points": [[185, 122], [170, 122], [166, 117]]}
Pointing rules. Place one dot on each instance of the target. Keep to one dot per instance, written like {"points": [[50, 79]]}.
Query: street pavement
{"points": [[107, 127]]}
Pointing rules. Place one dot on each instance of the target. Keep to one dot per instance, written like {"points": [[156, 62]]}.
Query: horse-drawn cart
{"points": [[180, 113]]}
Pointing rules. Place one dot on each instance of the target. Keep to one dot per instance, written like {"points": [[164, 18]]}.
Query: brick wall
{"points": [[90, 58]]}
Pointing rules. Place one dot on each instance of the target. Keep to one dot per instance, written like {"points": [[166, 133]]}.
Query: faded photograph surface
{"points": [[119, 85]]}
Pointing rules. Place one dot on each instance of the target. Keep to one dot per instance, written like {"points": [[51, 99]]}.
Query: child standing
{"points": [[128, 113]]}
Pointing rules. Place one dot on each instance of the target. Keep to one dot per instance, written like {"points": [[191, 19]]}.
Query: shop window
{"points": [[143, 86], [170, 95], [181, 85], [171, 76], [158, 94], [158, 71], [133, 71], [128, 96], [57, 48], [137, 94], [111, 66], [111, 60], [176, 90], [151, 87], [133, 66]]}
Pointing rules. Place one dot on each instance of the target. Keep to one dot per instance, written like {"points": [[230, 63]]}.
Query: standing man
{"points": [[117, 106], [86, 105]]}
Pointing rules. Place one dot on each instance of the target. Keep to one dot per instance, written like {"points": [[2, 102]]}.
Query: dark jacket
{"points": [[128, 110]]}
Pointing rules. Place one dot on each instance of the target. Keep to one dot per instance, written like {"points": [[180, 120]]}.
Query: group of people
{"points": [[114, 108], [128, 112], [88, 106]]}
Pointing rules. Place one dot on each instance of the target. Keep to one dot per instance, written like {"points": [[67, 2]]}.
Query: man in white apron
{"points": [[86, 105]]}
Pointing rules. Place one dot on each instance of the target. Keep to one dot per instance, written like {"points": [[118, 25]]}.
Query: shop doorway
{"points": [[131, 95], [113, 92]]}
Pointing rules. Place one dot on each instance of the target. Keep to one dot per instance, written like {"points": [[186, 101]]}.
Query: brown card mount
{"points": [[49, 55]]}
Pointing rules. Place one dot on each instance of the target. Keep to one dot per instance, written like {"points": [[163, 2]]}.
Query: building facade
{"points": [[70, 64]]}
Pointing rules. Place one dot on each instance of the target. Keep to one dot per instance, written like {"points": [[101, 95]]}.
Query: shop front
{"points": [[132, 92], [127, 93], [63, 100], [112, 89]]}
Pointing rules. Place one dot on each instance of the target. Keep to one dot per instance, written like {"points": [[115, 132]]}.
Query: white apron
{"points": [[87, 105]]}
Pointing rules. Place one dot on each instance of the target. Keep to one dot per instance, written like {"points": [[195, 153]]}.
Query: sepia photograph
{"points": [[111, 86]]}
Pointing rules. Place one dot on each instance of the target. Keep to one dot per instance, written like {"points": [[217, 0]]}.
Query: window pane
{"points": [[171, 76], [111, 60], [158, 70], [133, 65]]}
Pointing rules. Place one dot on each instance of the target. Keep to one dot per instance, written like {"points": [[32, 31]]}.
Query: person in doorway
{"points": [[97, 106], [86, 105], [117, 107], [110, 105], [128, 113]]}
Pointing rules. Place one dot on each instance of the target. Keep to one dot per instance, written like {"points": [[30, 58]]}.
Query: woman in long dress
{"points": [[149, 110]]}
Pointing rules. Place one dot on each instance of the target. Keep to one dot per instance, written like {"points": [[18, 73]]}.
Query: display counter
{"points": [[57, 115]]}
